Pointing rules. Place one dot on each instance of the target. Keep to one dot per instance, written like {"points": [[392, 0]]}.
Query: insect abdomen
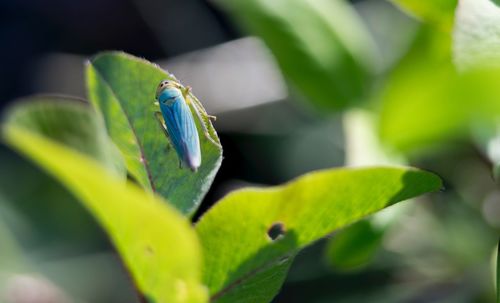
{"points": [[182, 130]]}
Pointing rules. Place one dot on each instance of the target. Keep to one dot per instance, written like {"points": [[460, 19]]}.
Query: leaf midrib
{"points": [[247, 276]]}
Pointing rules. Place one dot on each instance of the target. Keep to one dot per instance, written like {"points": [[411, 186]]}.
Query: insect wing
{"points": [[182, 131]]}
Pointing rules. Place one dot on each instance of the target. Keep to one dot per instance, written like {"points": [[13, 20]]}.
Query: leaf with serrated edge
{"points": [[122, 88], [238, 251]]}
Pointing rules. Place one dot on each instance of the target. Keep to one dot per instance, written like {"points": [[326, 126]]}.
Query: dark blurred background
{"points": [[33, 30]]}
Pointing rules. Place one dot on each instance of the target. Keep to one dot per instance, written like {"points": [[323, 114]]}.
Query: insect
{"points": [[176, 120]]}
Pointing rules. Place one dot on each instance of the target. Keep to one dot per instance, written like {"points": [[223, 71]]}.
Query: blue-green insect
{"points": [[176, 119]]}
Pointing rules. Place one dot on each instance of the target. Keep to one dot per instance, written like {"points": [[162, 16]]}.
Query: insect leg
{"points": [[186, 91], [204, 120], [200, 112], [200, 107], [161, 121]]}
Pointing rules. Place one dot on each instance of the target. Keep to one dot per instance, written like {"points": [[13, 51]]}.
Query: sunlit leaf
{"points": [[245, 264], [436, 12], [362, 144], [122, 88], [426, 102], [149, 234], [357, 244], [321, 46], [476, 46], [476, 32], [429, 105]]}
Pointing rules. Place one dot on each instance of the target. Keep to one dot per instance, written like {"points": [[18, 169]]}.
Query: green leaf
{"points": [[244, 264], [122, 88], [71, 122], [55, 216], [428, 105], [426, 102], [355, 246], [420, 107], [436, 12], [321, 46], [476, 32], [148, 234]]}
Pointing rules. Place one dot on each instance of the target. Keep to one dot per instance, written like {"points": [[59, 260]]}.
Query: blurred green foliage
{"points": [[321, 46], [434, 94], [437, 12]]}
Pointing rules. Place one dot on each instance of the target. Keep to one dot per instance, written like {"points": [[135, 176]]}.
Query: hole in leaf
{"points": [[276, 231], [149, 250]]}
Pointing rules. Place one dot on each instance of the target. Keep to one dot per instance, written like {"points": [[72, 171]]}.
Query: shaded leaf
{"points": [[321, 46], [355, 246], [54, 218], [122, 88], [70, 122], [78, 277], [147, 233], [234, 233]]}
